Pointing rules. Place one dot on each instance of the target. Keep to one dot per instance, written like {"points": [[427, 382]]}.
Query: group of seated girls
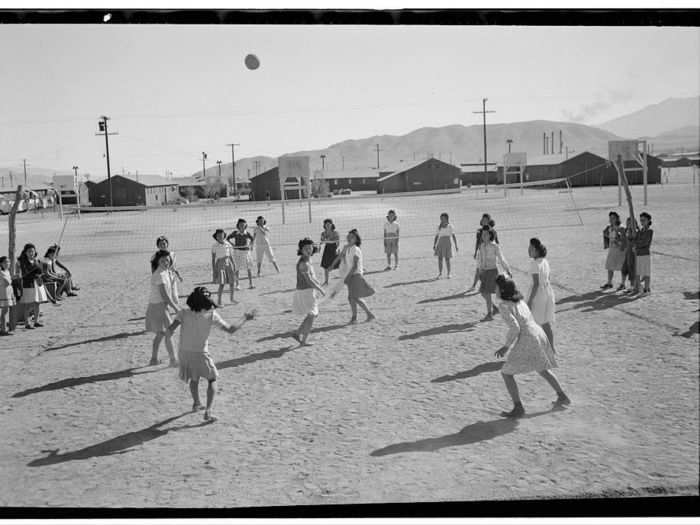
{"points": [[58, 277]]}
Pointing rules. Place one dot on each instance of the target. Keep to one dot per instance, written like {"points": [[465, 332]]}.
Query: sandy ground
{"points": [[403, 409]]}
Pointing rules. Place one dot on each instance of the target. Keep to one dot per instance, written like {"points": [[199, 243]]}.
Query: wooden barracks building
{"points": [[427, 175], [148, 190]]}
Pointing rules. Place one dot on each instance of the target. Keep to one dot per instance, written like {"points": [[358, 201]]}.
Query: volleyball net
{"points": [[539, 205]]}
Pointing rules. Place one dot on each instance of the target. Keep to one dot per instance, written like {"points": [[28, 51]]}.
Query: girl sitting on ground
{"points": [[193, 352]]}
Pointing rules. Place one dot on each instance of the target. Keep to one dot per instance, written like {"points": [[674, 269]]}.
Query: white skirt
{"points": [[37, 294], [304, 302], [543, 305]]}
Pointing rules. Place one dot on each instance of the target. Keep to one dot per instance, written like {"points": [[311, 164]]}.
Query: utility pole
{"points": [[342, 160], [486, 176], [102, 125], [233, 167], [24, 163], [378, 150], [509, 142], [219, 165], [257, 167], [552, 148], [11, 179], [204, 165], [561, 142], [323, 163]]}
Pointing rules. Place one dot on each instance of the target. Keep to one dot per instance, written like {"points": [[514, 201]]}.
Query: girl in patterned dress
{"points": [[442, 244], [7, 294], [242, 241], [305, 302], [529, 347], [486, 220], [222, 264], [613, 241]]}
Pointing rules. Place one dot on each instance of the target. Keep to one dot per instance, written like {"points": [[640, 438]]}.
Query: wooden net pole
{"points": [[12, 233]]}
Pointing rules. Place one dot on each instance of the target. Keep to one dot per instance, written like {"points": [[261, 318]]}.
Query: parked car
{"points": [[346, 191]]}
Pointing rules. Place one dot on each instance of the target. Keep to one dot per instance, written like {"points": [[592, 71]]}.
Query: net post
{"points": [[620, 166], [521, 170], [308, 197], [644, 168]]}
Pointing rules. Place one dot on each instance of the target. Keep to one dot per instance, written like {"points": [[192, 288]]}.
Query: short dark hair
{"points": [[23, 254], [540, 248], [492, 234], [200, 299], [238, 223], [617, 217], [645, 214], [3, 258], [509, 292], [162, 238], [391, 211], [329, 221], [263, 219], [487, 217], [357, 236], [304, 242], [51, 250], [155, 260]]}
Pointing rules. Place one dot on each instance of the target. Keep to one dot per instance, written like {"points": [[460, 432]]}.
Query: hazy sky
{"points": [[174, 91]]}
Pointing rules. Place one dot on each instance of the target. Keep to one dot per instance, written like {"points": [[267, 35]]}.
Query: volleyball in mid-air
{"points": [[252, 62]]}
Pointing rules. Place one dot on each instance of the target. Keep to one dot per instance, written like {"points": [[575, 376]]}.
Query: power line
{"points": [[233, 167], [102, 125]]}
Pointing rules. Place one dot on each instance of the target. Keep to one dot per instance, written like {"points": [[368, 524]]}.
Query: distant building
{"points": [[350, 179], [584, 169], [148, 190], [426, 175], [474, 175], [268, 183]]}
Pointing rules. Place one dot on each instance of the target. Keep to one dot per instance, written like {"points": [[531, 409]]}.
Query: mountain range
{"points": [[671, 125]]}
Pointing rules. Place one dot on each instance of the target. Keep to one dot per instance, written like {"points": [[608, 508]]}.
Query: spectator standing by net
{"points": [[643, 251], [33, 290], [7, 294], [442, 244], [613, 242]]}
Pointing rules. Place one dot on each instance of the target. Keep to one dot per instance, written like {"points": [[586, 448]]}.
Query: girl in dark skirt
{"points": [[358, 288], [489, 256], [330, 241]]}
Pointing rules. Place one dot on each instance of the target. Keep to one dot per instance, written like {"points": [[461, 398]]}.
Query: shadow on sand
{"points": [[77, 381], [252, 358], [274, 292], [289, 334], [691, 296], [445, 329], [460, 295], [588, 296], [694, 329], [113, 337], [136, 319], [474, 433], [118, 445], [493, 366], [408, 283]]}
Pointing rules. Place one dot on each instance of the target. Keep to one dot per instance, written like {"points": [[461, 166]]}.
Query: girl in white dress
{"points": [[541, 298], [261, 241], [442, 244], [529, 347]]}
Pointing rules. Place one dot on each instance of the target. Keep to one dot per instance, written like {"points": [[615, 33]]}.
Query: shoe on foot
{"points": [[387, 268], [153, 362], [237, 287], [29, 326], [370, 318], [486, 318], [251, 287], [396, 267], [562, 400], [518, 411], [353, 320], [606, 286], [38, 325], [621, 287], [208, 416], [197, 406]]}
